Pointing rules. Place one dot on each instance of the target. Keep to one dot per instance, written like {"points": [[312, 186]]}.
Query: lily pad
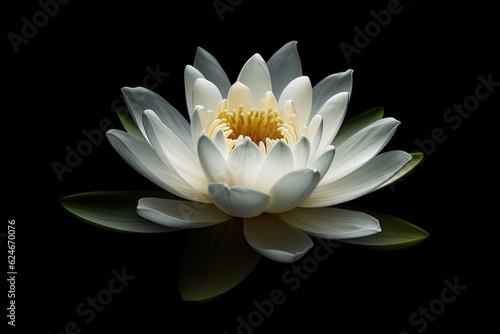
{"points": [[215, 260], [114, 210]]}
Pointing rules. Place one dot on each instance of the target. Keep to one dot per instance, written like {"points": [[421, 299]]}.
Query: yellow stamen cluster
{"points": [[263, 127]]}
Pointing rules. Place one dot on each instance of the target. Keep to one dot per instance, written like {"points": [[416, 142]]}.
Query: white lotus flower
{"points": [[266, 149]]}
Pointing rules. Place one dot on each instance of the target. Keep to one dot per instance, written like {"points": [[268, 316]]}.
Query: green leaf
{"points": [[416, 158], [215, 260], [114, 210], [356, 123], [396, 234]]}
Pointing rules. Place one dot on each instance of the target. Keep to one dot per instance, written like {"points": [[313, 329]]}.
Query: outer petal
{"points": [[140, 156], [180, 214], [299, 91], [238, 201], [332, 113], [301, 153], [416, 158], [360, 182], [190, 76], [275, 239], [360, 148], [211, 69], [331, 223], [284, 66], [244, 162], [278, 162], [196, 124], [173, 151], [357, 123], [213, 162], [139, 99], [255, 75], [293, 188], [329, 86]]}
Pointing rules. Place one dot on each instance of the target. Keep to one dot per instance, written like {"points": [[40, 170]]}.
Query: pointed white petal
{"points": [[139, 99], [331, 223], [141, 156], [360, 148], [220, 142], [267, 102], [332, 113], [278, 162], [292, 189], [239, 96], [357, 123], [329, 86], [196, 127], [301, 153], [180, 214], [206, 94], [324, 161], [315, 130], [245, 161], [360, 182], [299, 91], [284, 66], [190, 76], [275, 239], [212, 70], [173, 151], [213, 162], [255, 75], [238, 201]]}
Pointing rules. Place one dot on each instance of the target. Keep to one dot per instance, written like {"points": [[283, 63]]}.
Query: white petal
{"points": [[173, 151], [360, 182], [329, 86], [141, 156], [278, 162], [360, 148], [196, 126], [245, 161], [299, 91], [238, 201], [139, 99], [275, 239], [301, 153], [239, 96], [213, 162], [332, 113], [315, 134], [190, 76], [211, 70], [331, 223], [255, 75], [206, 94], [220, 142], [324, 161], [180, 214], [292, 189], [284, 66]]}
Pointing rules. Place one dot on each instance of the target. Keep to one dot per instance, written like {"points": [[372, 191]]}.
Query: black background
{"points": [[66, 78]]}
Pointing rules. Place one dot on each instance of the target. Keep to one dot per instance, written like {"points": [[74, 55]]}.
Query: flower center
{"points": [[263, 127], [258, 125]]}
